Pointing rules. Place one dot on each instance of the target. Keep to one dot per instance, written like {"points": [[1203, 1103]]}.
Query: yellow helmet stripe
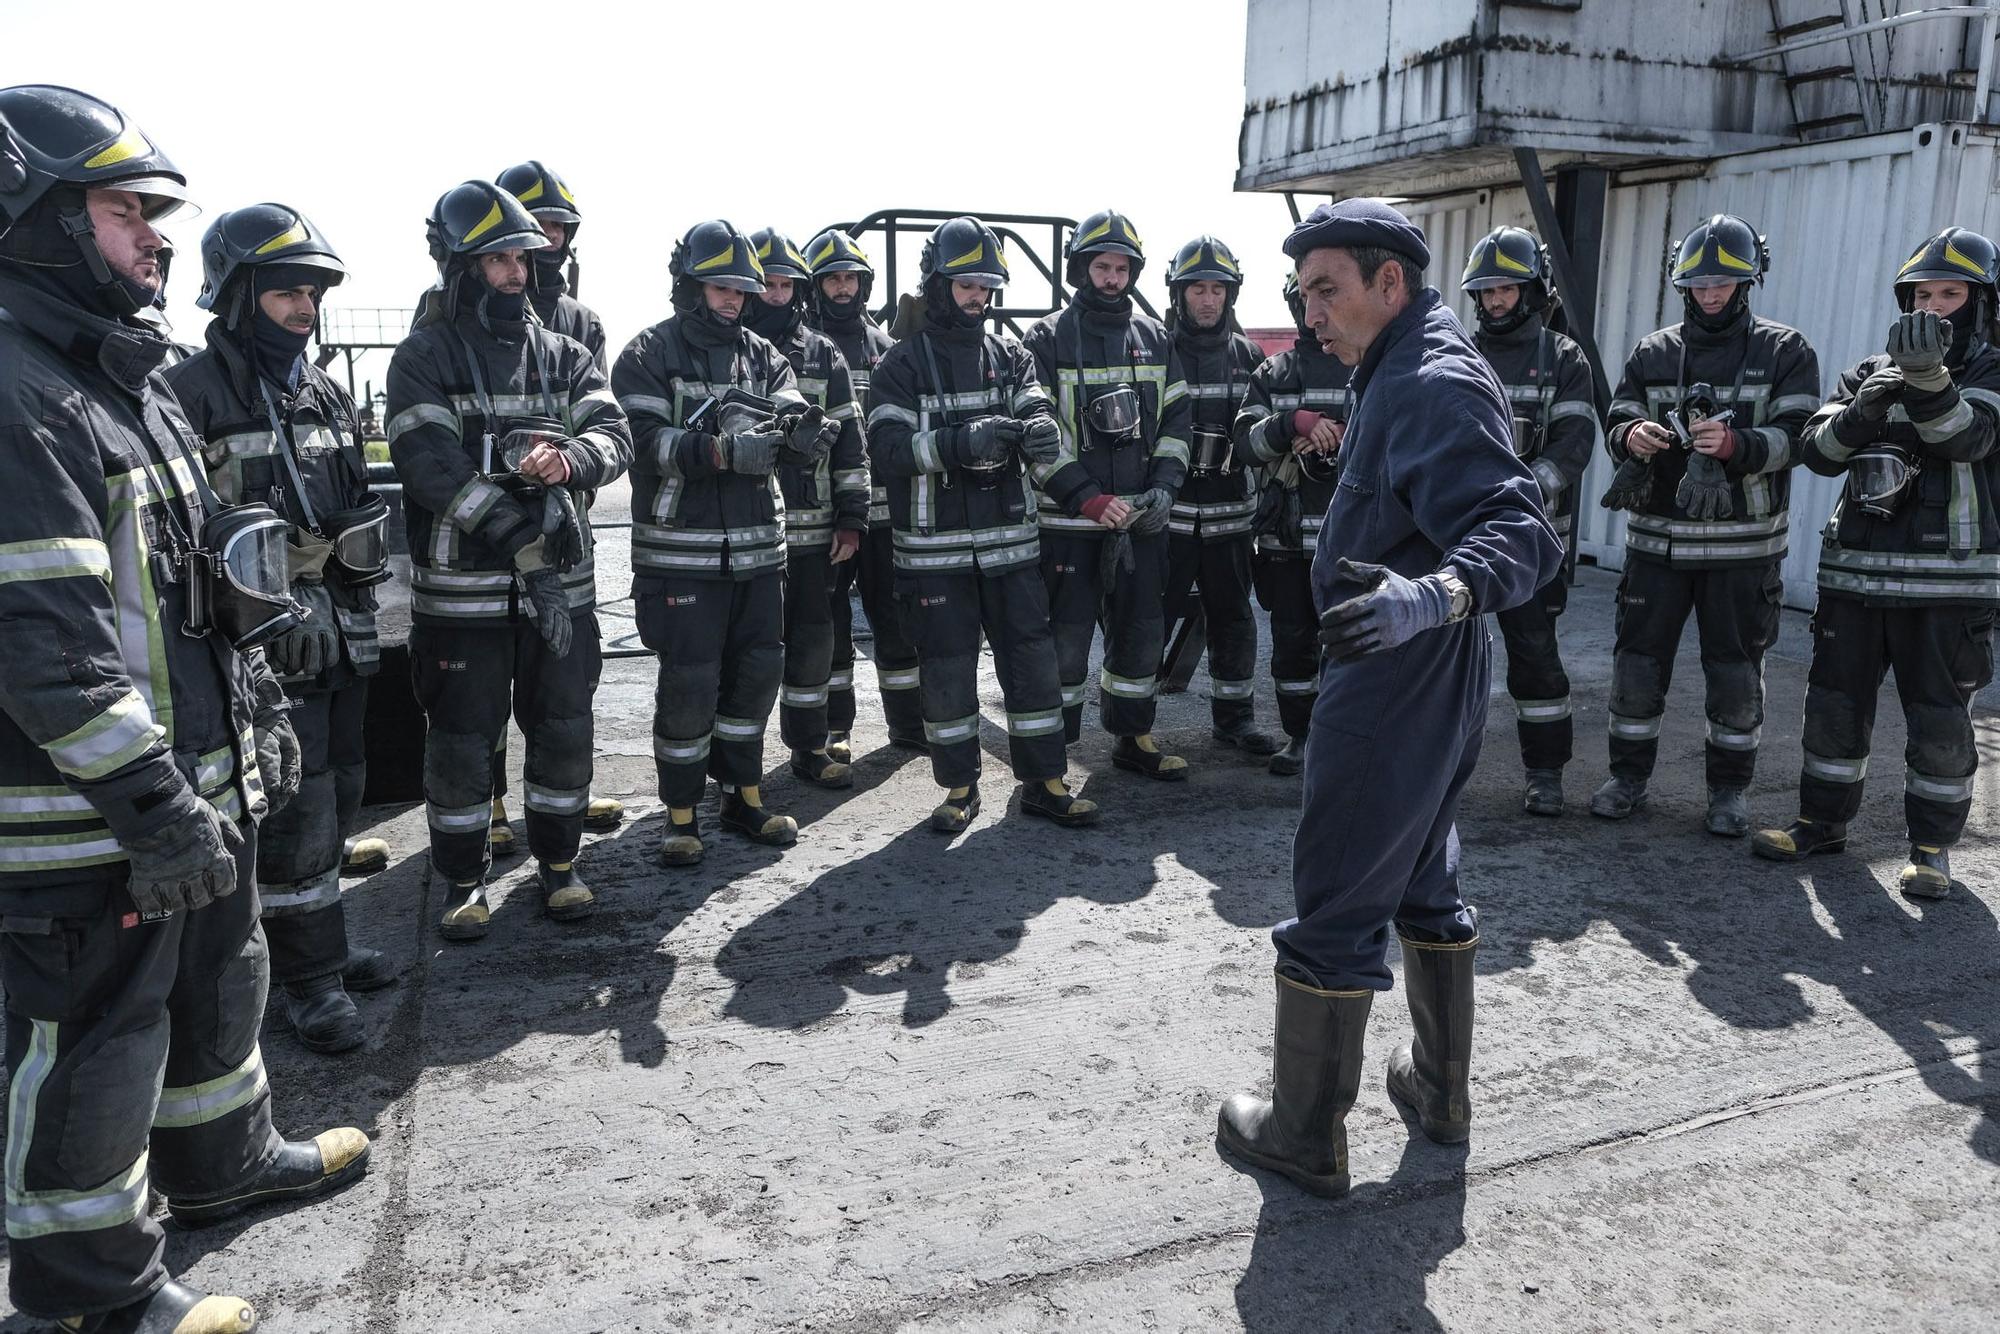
{"points": [[977, 252], [1502, 259], [485, 225], [1953, 255], [1099, 230], [531, 194], [563, 190], [130, 144], [1729, 261], [290, 236], [719, 259]]}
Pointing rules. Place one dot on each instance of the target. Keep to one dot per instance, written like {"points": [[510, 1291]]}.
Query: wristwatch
{"points": [[1461, 596]]}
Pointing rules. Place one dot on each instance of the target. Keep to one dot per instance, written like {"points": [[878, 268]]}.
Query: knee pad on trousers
{"points": [[559, 752], [1735, 694], [1636, 691], [684, 699], [760, 670], [1941, 741], [1833, 724], [107, 1112], [303, 839], [240, 993], [458, 769]]}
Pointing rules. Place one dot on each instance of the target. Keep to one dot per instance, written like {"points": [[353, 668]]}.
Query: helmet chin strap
{"points": [[120, 295]]}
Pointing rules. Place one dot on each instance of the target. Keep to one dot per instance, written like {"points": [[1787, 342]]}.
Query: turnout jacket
{"points": [[834, 493], [108, 709], [464, 529], [224, 401], [947, 518], [1218, 364], [1428, 475], [689, 519], [1769, 375], [1943, 543], [562, 313], [863, 343], [1080, 352], [1304, 376], [1554, 403]]}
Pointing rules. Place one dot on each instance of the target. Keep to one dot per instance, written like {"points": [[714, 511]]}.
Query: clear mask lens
{"points": [[1115, 413]]}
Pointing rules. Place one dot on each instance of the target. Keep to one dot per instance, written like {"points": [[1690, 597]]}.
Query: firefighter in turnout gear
{"points": [[277, 430], [843, 280], [957, 417], [141, 734], [500, 431], [715, 410], [1209, 542], [551, 291], [1289, 427], [1107, 498], [1704, 426], [1909, 576], [826, 504], [1556, 431]]}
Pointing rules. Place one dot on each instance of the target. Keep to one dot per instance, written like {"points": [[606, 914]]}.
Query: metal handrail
{"points": [[1988, 13]]}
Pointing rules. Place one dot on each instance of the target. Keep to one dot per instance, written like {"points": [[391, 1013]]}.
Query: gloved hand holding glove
{"points": [[1043, 442], [752, 451], [1151, 511], [983, 442], [1390, 614], [808, 437], [313, 645], [186, 863], [1859, 423], [1918, 342]]}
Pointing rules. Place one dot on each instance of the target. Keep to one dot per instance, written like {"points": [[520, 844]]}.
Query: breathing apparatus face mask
{"points": [[239, 580], [1210, 454], [1114, 415], [360, 538], [1879, 479], [521, 437]]}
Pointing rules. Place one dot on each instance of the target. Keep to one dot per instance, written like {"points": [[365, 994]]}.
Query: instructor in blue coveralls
{"points": [[1434, 521]]}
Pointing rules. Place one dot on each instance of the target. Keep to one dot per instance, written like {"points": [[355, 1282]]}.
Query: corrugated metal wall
{"points": [[1841, 216]]}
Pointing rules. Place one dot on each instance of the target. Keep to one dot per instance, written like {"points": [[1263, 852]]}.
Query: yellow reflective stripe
{"points": [[422, 414], [41, 1213], [110, 741], [196, 1104], [54, 558]]}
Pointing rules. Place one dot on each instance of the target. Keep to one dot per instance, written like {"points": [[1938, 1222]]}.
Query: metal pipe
{"points": [[1843, 33]]}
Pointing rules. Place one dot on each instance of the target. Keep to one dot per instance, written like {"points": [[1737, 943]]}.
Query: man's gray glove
{"points": [[1918, 342], [278, 761], [1704, 489], [752, 451], [984, 441], [808, 437], [548, 603], [313, 645], [1043, 442], [1151, 511], [562, 529], [187, 863], [1390, 614], [1878, 393]]}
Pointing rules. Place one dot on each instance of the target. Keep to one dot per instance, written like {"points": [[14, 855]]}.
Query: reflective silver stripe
{"points": [[904, 678], [1830, 770], [671, 751], [21, 804], [1785, 403], [1635, 729], [284, 900], [841, 680], [802, 697], [1542, 710], [951, 729], [1572, 407], [1724, 739], [556, 800], [473, 502], [122, 733], [198, 1104], [41, 1213], [1047, 722], [459, 819], [1306, 686], [1127, 687], [738, 729], [54, 558], [1934, 788], [1072, 696], [422, 414], [1964, 510], [891, 412], [1232, 689]]}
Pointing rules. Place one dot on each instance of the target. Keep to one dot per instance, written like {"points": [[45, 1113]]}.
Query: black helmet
{"points": [[478, 218], [834, 251], [963, 250], [1957, 255], [1106, 232], [713, 252], [1204, 259], [250, 237], [1295, 301], [55, 143], [1509, 256], [542, 191], [1724, 248], [778, 257]]}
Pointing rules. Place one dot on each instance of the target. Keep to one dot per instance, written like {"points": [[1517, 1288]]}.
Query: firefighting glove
{"points": [[185, 864], [1631, 486], [1859, 423], [808, 436], [278, 760], [982, 442], [562, 529], [549, 605], [1390, 614], [1917, 344], [313, 645], [1114, 559], [1704, 490], [1151, 511], [752, 451], [1043, 442]]}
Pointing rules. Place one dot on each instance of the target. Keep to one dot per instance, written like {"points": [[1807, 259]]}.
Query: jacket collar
{"points": [[128, 353], [1406, 322]]}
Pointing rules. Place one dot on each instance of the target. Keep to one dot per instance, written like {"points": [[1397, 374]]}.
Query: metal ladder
{"points": [[1830, 94]]}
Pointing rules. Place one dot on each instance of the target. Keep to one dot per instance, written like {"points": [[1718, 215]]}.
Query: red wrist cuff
{"points": [[1093, 509]]}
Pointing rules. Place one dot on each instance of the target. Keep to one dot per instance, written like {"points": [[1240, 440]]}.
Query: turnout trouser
{"points": [[808, 628], [1220, 569], [1394, 738], [873, 570], [1942, 657], [1736, 611], [1536, 679], [721, 655], [1132, 610], [1284, 587], [298, 849], [948, 610], [132, 1060], [466, 678]]}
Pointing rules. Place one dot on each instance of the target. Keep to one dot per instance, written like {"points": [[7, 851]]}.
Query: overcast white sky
{"points": [[784, 113]]}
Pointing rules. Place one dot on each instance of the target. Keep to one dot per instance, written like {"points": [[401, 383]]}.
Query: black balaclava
{"points": [[1728, 320], [1531, 302], [943, 313], [278, 353], [773, 323], [845, 312], [502, 314], [40, 242]]}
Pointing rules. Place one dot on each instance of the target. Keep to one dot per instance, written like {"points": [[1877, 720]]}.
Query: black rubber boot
{"points": [[1288, 762], [1066, 809], [682, 845], [821, 770], [839, 748], [323, 1014], [367, 970], [466, 913], [172, 1308], [1129, 754], [1301, 1129], [1619, 798], [302, 1169], [1928, 875], [1728, 812], [565, 898], [1432, 1073], [1800, 839], [750, 819], [954, 814], [363, 856], [1545, 792], [1246, 736], [603, 814]]}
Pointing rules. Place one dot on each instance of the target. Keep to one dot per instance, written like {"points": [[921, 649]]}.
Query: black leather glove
{"points": [[1631, 486], [1151, 511], [1704, 489], [1042, 442], [1918, 342], [984, 441], [752, 451], [187, 863], [313, 645], [279, 762], [562, 529], [549, 605], [1877, 393], [806, 440], [1116, 558]]}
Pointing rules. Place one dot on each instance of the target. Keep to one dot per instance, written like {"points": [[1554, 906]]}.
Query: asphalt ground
{"points": [[889, 1081]]}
